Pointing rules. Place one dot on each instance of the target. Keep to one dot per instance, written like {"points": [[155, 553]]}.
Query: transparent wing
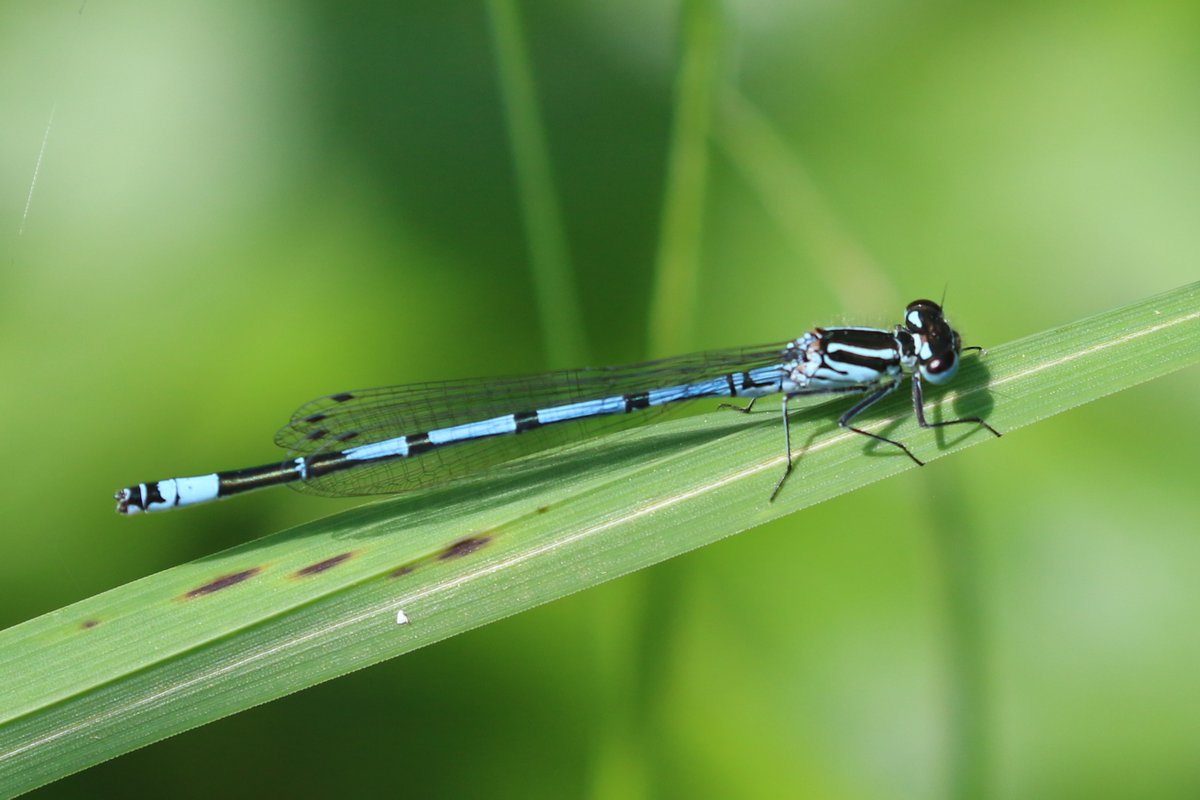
{"points": [[350, 419]]}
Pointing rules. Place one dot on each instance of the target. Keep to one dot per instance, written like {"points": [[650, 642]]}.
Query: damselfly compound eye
{"points": [[940, 368], [922, 316]]}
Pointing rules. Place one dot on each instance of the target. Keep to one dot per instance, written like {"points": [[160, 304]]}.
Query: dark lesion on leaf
{"points": [[223, 582], [321, 566], [464, 547], [458, 549]]}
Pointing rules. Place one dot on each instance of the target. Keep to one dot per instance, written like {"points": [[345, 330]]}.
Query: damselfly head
{"points": [[938, 343]]}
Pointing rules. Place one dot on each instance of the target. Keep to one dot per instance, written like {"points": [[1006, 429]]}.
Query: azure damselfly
{"points": [[401, 438]]}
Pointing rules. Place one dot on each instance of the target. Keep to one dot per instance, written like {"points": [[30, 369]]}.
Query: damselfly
{"points": [[401, 438]]}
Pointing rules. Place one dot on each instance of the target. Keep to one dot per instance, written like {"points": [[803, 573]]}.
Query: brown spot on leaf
{"points": [[464, 547], [223, 582], [402, 571], [321, 566], [89, 623]]}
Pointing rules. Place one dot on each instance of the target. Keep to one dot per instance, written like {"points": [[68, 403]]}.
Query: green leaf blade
{"points": [[203, 640]]}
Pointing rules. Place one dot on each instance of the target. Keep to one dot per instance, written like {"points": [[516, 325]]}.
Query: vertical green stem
{"points": [[673, 307], [675, 288], [553, 284], [956, 560], [627, 753]]}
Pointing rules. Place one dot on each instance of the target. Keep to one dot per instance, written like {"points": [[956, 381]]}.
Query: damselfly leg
{"points": [[919, 408], [843, 421]]}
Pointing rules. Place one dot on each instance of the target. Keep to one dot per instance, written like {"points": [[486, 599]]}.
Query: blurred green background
{"points": [[241, 206]]}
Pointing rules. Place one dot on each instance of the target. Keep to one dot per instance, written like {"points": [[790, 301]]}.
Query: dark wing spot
{"points": [[345, 437], [319, 433], [321, 566], [464, 547], [314, 418], [341, 398], [223, 582]]}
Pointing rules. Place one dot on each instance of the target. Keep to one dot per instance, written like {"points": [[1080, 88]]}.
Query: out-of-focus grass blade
{"points": [[206, 639]]}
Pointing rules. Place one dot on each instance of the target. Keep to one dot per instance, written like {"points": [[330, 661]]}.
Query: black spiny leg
{"points": [[919, 408], [868, 401], [862, 404]]}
